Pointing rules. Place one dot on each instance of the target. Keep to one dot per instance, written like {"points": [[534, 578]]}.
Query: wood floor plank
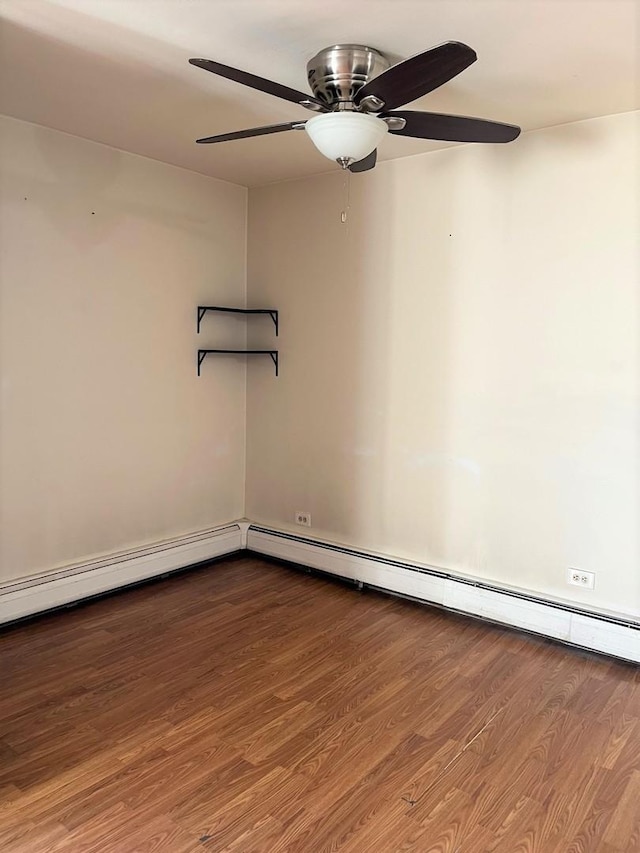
{"points": [[247, 708], [623, 830], [262, 836]]}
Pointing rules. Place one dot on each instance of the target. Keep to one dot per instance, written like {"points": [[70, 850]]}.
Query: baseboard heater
{"points": [[38, 593], [611, 634]]}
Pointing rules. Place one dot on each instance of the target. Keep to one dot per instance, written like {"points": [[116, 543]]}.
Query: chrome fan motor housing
{"points": [[338, 72]]}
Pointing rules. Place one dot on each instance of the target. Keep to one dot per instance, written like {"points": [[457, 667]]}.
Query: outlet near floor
{"points": [[303, 518], [578, 577]]}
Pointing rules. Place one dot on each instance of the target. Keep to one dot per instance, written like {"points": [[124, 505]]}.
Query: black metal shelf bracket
{"points": [[272, 312], [273, 353]]}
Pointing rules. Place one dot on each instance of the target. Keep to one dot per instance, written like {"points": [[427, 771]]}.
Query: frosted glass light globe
{"points": [[346, 136]]}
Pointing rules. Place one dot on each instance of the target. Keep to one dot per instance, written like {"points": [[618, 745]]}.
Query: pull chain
{"points": [[346, 186]]}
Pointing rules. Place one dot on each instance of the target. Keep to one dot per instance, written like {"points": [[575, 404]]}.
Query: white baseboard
{"points": [[618, 636], [44, 592], [609, 634]]}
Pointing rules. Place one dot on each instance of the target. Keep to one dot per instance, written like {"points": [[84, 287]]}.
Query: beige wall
{"points": [[460, 363], [108, 438]]}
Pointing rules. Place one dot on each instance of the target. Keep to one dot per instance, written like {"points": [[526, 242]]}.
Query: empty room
{"points": [[319, 426]]}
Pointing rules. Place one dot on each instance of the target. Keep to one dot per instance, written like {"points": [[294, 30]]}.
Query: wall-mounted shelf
{"points": [[272, 312], [203, 353]]}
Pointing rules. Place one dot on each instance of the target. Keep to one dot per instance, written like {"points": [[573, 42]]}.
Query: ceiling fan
{"points": [[356, 91]]}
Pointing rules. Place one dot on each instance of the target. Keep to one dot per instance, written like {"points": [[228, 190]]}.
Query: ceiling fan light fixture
{"points": [[346, 136], [352, 84]]}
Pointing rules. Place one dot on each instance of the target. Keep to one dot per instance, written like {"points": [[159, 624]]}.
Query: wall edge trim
{"points": [[36, 594], [617, 636]]}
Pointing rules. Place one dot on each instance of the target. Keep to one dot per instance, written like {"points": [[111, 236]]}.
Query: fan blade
{"points": [[260, 83], [418, 75], [253, 131], [366, 163], [453, 128]]}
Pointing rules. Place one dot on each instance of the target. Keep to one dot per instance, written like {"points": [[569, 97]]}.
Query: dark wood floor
{"points": [[246, 707]]}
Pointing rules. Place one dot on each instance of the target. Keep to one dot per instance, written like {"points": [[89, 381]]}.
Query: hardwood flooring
{"points": [[248, 708]]}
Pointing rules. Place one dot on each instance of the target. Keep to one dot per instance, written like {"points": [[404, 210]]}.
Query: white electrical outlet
{"points": [[303, 518], [578, 577]]}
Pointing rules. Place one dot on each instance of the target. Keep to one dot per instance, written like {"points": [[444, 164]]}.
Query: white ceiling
{"points": [[116, 71]]}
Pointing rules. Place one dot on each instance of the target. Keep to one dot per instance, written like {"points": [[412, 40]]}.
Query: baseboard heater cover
{"points": [[39, 593], [618, 636]]}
